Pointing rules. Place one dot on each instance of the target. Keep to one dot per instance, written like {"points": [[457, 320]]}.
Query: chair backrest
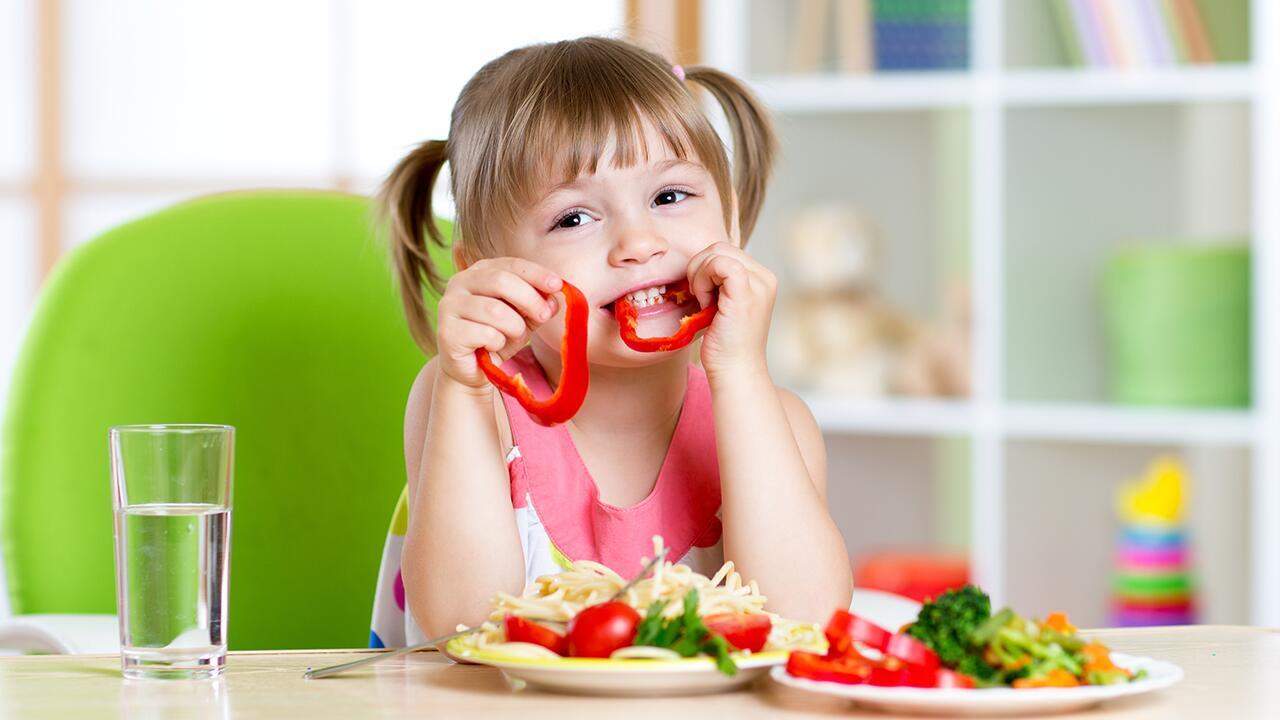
{"points": [[275, 312]]}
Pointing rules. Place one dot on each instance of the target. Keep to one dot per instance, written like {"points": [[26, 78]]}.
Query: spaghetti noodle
{"points": [[553, 600]]}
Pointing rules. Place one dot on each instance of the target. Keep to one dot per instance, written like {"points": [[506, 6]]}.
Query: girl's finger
{"points": [[536, 275], [494, 313], [474, 336], [729, 274], [518, 293], [701, 283]]}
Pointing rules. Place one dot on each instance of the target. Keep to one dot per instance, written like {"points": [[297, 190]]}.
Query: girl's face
{"points": [[620, 230]]}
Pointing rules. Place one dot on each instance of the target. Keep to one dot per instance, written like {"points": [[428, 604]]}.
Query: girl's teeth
{"points": [[647, 297]]}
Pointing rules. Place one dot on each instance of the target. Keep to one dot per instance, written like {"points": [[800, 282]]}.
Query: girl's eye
{"points": [[573, 219], [669, 197]]}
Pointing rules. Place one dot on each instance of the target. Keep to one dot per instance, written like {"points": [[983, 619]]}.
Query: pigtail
{"points": [[406, 206], [754, 143]]}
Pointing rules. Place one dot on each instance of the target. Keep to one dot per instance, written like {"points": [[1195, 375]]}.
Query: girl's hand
{"points": [[494, 304], [736, 338]]}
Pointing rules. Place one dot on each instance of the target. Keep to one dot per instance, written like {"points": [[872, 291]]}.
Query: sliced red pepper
{"points": [[845, 628], [519, 629], [892, 672], [948, 678], [907, 662], [911, 651], [572, 388], [847, 670], [690, 325]]}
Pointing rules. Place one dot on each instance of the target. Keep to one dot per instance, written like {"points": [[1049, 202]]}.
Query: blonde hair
{"points": [[545, 113]]}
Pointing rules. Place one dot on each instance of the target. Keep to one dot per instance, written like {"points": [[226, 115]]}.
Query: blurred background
{"points": [[1025, 256]]}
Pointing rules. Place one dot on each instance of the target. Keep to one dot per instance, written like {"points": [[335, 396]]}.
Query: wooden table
{"points": [[1233, 673]]}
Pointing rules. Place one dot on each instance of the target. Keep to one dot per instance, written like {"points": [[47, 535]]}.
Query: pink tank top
{"points": [[547, 470]]}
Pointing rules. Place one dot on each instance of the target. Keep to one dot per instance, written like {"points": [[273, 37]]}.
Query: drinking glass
{"points": [[172, 500]]}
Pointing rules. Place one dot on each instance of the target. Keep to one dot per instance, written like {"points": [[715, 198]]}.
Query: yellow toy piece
{"points": [[1158, 497]]}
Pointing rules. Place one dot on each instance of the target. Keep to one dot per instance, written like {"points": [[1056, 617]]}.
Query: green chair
{"points": [[275, 312]]}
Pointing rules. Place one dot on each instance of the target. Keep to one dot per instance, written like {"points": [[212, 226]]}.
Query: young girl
{"points": [[590, 162]]}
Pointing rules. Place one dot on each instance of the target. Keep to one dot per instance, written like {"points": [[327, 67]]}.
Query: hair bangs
{"points": [[581, 114]]}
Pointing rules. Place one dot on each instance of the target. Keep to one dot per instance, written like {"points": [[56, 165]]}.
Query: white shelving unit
{"points": [[1002, 422]]}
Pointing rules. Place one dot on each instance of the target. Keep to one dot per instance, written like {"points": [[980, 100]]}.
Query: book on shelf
{"points": [[1151, 33], [854, 39], [921, 34], [872, 35]]}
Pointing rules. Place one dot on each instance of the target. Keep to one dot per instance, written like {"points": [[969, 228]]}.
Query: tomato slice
{"points": [[527, 631], [845, 628], [744, 631], [598, 630], [911, 651], [846, 670]]}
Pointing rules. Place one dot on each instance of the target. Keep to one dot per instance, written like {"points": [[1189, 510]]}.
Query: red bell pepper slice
{"points": [[948, 678], [892, 672], [845, 628], [911, 651], [907, 662], [572, 388], [846, 670], [690, 325]]}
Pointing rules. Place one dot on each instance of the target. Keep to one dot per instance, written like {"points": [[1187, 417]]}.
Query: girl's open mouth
{"points": [[656, 300]]}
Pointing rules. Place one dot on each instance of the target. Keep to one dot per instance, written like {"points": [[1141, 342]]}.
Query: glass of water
{"points": [[172, 499]]}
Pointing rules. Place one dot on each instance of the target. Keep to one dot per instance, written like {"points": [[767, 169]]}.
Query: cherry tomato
{"points": [[851, 669], [744, 631], [846, 628], [598, 630], [527, 631], [911, 651]]}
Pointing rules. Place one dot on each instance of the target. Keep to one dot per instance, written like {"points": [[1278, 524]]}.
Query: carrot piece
{"points": [[1058, 621], [1098, 659], [1056, 677]]}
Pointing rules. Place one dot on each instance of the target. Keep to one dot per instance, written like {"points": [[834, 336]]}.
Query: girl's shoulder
{"points": [[417, 415]]}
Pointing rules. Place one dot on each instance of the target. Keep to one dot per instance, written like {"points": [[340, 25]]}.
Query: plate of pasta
{"points": [[673, 632]]}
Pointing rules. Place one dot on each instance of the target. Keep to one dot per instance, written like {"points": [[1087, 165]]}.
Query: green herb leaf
{"points": [[686, 634]]}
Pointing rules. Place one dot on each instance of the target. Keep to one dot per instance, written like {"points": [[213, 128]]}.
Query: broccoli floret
{"points": [[975, 667], [945, 625]]}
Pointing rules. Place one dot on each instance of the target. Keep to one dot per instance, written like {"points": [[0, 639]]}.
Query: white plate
{"points": [[993, 701], [589, 676]]}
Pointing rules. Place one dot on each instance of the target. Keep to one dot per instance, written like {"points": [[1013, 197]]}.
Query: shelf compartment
{"points": [[898, 493], [1081, 182], [1061, 526], [898, 178]]}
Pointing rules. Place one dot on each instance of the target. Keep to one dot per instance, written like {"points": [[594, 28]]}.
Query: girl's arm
{"points": [[777, 529], [462, 544]]}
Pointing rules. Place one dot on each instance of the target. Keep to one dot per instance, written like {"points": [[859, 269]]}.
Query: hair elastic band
{"points": [[678, 72]]}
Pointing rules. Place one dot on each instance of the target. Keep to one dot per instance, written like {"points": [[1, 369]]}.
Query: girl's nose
{"points": [[637, 246]]}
